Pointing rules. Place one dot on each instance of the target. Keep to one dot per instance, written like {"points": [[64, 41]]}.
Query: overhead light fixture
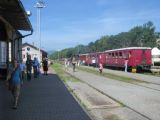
{"points": [[28, 13]]}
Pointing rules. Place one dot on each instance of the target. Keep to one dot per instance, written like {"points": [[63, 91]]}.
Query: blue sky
{"points": [[67, 23]]}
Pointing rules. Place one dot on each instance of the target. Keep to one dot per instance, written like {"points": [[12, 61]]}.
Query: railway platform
{"points": [[43, 98]]}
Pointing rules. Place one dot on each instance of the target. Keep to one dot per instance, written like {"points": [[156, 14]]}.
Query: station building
{"points": [[13, 20], [33, 51]]}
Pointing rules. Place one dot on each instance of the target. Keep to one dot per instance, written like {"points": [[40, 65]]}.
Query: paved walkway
{"points": [[44, 98], [140, 99]]}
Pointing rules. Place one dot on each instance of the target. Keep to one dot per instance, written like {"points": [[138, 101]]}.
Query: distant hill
{"points": [[51, 52]]}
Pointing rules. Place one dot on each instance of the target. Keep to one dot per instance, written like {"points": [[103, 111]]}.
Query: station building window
{"points": [[10, 52]]}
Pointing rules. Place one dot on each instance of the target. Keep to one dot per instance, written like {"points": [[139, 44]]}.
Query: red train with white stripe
{"points": [[138, 57]]}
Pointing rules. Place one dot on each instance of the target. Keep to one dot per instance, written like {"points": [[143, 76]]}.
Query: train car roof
{"points": [[83, 54], [90, 53], [129, 48]]}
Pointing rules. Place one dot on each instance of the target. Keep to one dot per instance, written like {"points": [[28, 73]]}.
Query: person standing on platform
{"points": [[29, 67], [66, 63], [14, 75], [94, 62], [126, 64], [22, 67], [74, 63], [35, 67], [100, 68], [45, 66]]}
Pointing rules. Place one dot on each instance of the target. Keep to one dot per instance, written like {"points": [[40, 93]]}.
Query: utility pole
{"points": [[58, 54], [77, 48], [39, 5]]}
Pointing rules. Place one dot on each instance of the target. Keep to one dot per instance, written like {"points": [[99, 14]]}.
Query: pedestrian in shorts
{"points": [[14, 80]]}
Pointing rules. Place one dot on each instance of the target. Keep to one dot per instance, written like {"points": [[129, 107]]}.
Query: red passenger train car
{"points": [[87, 58], [83, 58], [99, 57], [138, 57]]}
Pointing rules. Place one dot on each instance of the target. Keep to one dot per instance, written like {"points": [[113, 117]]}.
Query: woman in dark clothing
{"points": [[74, 62], [45, 66], [28, 67]]}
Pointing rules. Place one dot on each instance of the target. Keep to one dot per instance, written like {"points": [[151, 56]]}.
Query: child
{"points": [[100, 68]]}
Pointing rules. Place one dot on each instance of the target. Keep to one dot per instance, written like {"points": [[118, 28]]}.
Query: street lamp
{"points": [[39, 5], [58, 54], [78, 48]]}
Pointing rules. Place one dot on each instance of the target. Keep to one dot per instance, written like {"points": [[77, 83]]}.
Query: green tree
{"points": [[139, 36]]}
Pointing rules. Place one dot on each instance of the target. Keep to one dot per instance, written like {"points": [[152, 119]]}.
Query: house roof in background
{"points": [[34, 47]]}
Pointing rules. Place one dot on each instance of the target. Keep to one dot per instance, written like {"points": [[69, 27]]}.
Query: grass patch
{"points": [[62, 74], [111, 76]]}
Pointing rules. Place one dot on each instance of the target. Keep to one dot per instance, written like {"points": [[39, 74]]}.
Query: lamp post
{"points": [[39, 5], [58, 54], [78, 48]]}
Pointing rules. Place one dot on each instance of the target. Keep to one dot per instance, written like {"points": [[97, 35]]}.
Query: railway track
{"points": [[139, 98]]}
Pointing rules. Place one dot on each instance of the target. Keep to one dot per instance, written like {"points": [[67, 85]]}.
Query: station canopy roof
{"points": [[14, 13]]}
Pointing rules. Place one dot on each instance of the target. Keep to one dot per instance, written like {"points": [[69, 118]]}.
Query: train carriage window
{"points": [[113, 55], [116, 54], [109, 55], [130, 53], [125, 54], [120, 54]]}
